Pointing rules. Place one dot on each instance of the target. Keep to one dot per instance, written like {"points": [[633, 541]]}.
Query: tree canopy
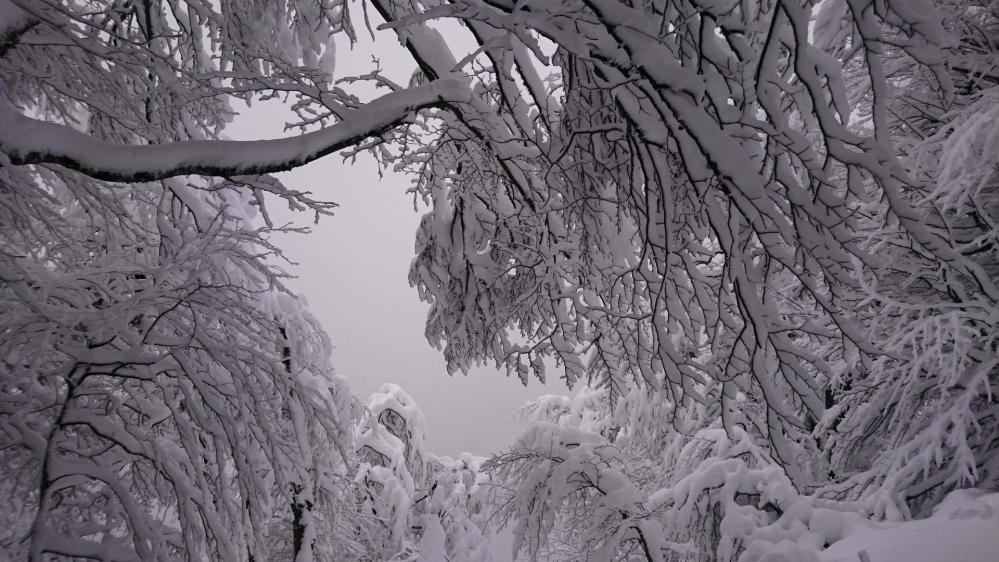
{"points": [[762, 233]]}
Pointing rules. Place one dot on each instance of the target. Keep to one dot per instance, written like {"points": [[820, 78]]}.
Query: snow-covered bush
{"points": [[706, 496], [428, 507]]}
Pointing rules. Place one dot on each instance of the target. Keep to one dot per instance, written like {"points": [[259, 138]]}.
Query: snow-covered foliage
{"points": [[574, 493], [162, 398], [756, 224], [428, 507], [766, 233], [750, 220]]}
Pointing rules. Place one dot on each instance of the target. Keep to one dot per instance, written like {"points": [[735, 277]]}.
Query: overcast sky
{"points": [[353, 270]]}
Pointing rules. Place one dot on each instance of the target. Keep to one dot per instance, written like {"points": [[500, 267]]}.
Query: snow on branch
{"points": [[24, 140]]}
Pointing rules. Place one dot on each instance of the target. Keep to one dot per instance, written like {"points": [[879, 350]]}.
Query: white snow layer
{"points": [[963, 528]]}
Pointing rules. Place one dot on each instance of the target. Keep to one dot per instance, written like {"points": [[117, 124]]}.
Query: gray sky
{"points": [[353, 270]]}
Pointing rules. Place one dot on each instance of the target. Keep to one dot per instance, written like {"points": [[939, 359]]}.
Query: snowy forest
{"points": [[757, 240]]}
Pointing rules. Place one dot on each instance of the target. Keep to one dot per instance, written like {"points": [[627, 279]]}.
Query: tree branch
{"points": [[14, 22], [24, 140]]}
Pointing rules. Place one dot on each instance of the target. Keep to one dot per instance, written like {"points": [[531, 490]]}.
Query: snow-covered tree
{"points": [[163, 397], [776, 220]]}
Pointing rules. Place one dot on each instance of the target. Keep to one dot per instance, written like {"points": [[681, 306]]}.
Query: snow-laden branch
{"points": [[14, 22], [24, 140]]}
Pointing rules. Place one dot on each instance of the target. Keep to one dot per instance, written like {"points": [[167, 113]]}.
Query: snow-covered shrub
{"points": [[709, 496], [427, 507]]}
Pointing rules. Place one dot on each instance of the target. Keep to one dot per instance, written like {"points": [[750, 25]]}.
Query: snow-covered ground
{"points": [[964, 528]]}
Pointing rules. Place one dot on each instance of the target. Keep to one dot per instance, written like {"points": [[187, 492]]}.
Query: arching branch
{"points": [[24, 140]]}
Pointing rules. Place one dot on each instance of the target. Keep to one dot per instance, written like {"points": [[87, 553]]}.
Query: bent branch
{"points": [[30, 141], [14, 22]]}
